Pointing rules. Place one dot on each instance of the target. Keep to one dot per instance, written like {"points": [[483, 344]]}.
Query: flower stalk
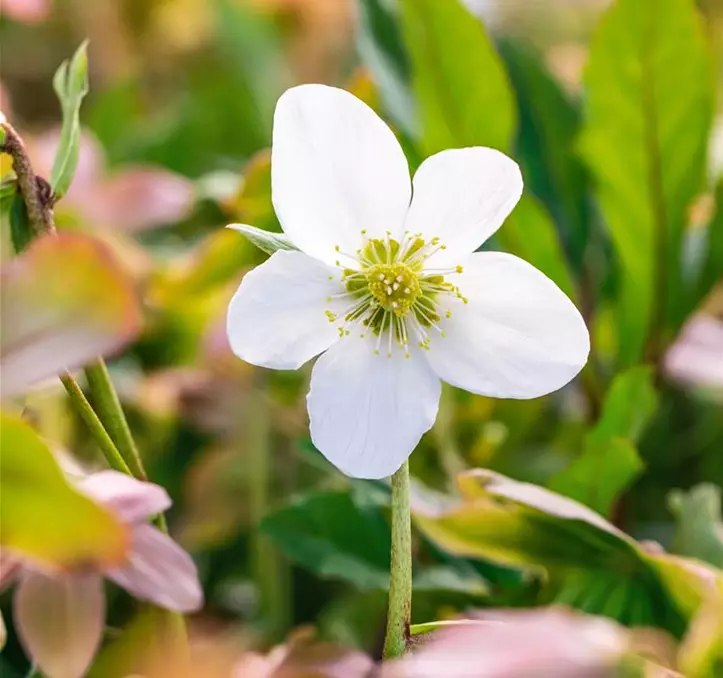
{"points": [[400, 583], [111, 414], [94, 424]]}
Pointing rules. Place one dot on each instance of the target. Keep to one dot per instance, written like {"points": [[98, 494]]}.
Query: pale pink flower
{"points": [[60, 615], [533, 644]]}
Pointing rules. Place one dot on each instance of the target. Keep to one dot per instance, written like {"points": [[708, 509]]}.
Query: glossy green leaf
{"points": [[265, 240], [71, 86], [21, 232], [649, 106], [380, 45], [462, 91], [699, 527], [549, 123], [529, 233], [41, 516], [589, 564], [609, 461]]}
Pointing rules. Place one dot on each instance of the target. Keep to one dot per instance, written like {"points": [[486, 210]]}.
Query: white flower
{"points": [[389, 287]]}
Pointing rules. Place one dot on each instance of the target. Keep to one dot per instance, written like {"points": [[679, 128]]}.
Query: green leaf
{"points": [[699, 529], [264, 240], [71, 85], [598, 476], [21, 232], [589, 564], [649, 107], [330, 536], [609, 461], [545, 146], [41, 516], [712, 271], [380, 46], [529, 233], [462, 91]]}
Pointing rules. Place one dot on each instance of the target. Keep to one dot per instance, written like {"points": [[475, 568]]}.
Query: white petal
{"points": [[462, 196], [336, 169], [60, 621], [518, 337], [131, 499], [368, 411], [160, 571], [277, 317]]}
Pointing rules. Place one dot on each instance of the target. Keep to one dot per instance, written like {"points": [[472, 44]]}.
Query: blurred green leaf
{"points": [[590, 564], [41, 516], [380, 46], [649, 106], [264, 240], [20, 230], [609, 461], [712, 272], [462, 90], [71, 85], [600, 474], [529, 233], [699, 528], [548, 129], [330, 536]]}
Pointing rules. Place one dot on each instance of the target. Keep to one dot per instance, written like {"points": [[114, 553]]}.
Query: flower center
{"points": [[392, 295], [396, 287]]}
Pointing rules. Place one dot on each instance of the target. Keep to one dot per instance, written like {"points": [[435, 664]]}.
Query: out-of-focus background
{"points": [[176, 130]]}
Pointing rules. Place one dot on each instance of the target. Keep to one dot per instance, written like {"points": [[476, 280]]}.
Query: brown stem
{"points": [[34, 190]]}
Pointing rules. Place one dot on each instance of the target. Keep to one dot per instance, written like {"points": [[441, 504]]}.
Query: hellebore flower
{"points": [[388, 286], [60, 615]]}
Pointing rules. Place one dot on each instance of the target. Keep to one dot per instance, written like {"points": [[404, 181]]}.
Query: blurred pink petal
{"points": [[132, 500], [696, 357], [535, 644], [88, 173], [63, 302], [160, 571], [301, 657], [28, 11], [60, 621], [140, 198], [132, 199]]}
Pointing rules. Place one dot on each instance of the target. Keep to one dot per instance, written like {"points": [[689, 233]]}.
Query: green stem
{"points": [[400, 582], [100, 435], [111, 413], [38, 205]]}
